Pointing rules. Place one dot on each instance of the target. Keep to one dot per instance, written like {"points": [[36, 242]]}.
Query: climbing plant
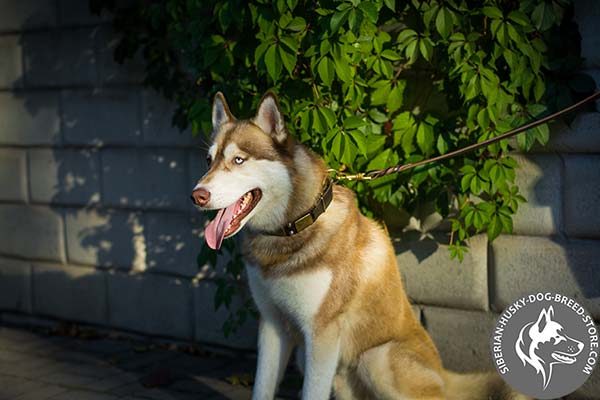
{"points": [[368, 84]]}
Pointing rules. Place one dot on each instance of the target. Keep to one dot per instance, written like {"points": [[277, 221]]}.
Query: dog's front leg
{"points": [[274, 348], [321, 359]]}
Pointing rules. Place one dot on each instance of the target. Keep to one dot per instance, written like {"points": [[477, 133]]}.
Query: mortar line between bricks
{"points": [[74, 87], [99, 207], [59, 27], [74, 146], [122, 270]]}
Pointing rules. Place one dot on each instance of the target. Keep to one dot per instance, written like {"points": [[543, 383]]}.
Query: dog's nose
{"points": [[200, 196]]}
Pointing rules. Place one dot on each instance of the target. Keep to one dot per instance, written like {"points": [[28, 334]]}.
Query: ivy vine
{"points": [[369, 84]]}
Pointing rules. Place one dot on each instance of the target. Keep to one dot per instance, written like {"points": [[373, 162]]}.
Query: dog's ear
{"points": [[220, 112], [544, 318], [269, 118]]}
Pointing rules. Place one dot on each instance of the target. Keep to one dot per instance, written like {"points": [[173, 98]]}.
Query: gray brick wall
{"points": [[96, 225], [95, 219]]}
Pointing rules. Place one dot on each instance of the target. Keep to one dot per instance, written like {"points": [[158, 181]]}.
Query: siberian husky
{"points": [[323, 276]]}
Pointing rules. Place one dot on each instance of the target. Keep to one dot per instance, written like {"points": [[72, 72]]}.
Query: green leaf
{"points": [[513, 34], [405, 35], [465, 182], [273, 62], [519, 17], [288, 59], [473, 88], [207, 256], [411, 51], [290, 42], [380, 161], [542, 16], [343, 69], [350, 152], [337, 145], [296, 25], [328, 116], [326, 71], [426, 48], [539, 89], [492, 12], [494, 228], [526, 139], [338, 19], [483, 119], [355, 121], [361, 141], [369, 10], [442, 145], [425, 137], [396, 97], [260, 51], [391, 4], [381, 94], [377, 116], [391, 55], [502, 36], [542, 133], [444, 22], [353, 20]]}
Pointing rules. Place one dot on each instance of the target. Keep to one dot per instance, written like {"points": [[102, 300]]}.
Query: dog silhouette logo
{"points": [[543, 344]]}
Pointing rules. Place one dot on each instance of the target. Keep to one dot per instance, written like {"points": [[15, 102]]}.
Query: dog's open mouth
{"points": [[563, 358], [229, 220]]}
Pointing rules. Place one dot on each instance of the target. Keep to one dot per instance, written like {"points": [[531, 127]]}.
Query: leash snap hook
{"points": [[343, 176]]}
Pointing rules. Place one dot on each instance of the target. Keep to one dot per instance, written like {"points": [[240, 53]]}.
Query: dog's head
{"points": [[249, 178], [544, 343]]}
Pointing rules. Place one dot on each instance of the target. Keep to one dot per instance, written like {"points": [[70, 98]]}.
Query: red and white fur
{"points": [[333, 290]]}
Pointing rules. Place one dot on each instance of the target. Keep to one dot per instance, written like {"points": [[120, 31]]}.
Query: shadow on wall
{"points": [[106, 160]]}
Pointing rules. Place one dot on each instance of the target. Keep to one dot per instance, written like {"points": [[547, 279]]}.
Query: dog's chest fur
{"points": [[296, 297]]}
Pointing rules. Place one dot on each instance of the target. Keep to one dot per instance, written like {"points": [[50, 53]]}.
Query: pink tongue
{"points": [[215, 231]]}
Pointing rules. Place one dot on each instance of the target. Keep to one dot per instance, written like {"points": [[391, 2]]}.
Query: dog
{"points": [[323, 276], [543, 344]]}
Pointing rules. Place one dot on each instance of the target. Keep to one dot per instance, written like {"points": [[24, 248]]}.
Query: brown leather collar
{"points": [[309, 218]]}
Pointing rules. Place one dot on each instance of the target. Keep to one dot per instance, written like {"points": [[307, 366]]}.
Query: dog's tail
{"points": [[479, 386]]}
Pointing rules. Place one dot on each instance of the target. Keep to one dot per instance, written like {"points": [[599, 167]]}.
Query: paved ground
{"points": [[70, 364]]}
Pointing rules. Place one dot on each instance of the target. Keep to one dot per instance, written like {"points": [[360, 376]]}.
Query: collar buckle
{"points": [[300, 224], [304, 222]]}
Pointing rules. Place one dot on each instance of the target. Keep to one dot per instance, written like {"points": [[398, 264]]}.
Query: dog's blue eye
{"points": [[239, 160]]}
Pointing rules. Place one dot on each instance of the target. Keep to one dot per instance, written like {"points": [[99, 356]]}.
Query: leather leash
{"points": [[294, 227], [378, 173]]}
